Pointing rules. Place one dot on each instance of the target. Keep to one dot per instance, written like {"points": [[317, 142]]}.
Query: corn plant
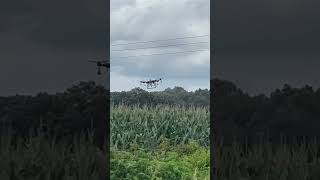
{"points": [[146, 127], [38, 158]]}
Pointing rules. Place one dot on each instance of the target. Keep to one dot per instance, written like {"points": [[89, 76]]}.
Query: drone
{"points": [[101, 64], [151, 84]]}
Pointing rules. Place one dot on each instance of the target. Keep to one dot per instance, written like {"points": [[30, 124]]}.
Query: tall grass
{"points": [[173, 129], [147, 127], [266, 161], [38, 158], [159, 142]]}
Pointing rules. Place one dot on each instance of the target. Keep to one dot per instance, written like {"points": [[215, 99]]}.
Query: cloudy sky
{"points": [[259, 44], [134, 21], [262, 44], [45, 44]]}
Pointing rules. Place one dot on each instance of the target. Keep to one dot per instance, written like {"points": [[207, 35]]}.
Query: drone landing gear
{"points": [[151, 87], [99, 71], [151, 84]]}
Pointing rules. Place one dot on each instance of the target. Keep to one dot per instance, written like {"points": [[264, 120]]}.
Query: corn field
{"points": [[266, 161], [37, 158], [167, 142], [161, 142], [146, 126]]}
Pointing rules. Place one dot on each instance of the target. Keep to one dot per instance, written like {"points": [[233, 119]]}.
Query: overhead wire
{"points": [[152, 47], [140, 42], [121, 57], [159, 46]]}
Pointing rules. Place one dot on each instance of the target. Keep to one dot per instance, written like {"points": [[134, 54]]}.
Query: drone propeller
{"points": [[95, 61]]}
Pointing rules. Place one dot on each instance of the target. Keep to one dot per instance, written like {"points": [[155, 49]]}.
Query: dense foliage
{"points": [[80, 108], [145, 127], [160, 142], [175, 96], [264, 160], [138, 116], [38, 158], [189, 161], [288, 111], [57, 120]]}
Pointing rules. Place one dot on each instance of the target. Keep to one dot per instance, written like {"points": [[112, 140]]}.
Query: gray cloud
{"points": [[143, 20], [267, 28], [263, 74], [45, 44], [262, 44], [62, 24]]}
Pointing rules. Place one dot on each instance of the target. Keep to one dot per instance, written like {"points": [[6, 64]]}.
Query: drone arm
{"points": [[107, 65]]}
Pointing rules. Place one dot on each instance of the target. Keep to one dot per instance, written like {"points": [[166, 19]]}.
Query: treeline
{"points": [[83, 107], [288, 112], [174, 96]]}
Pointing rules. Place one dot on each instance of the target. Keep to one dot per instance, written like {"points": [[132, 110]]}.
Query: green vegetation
{"points": [[174, 96], [163, 135], [184, 162], [154, 141], [288, 111], [146, 127], [37, 158], [300, 161], [162, 142]]}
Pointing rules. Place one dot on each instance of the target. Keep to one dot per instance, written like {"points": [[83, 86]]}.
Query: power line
{"points": [[160, 54], [188, 37], [171, 45]]}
